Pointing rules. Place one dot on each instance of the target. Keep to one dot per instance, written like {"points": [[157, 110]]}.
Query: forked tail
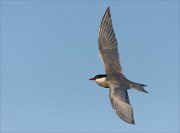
{"points": [[137, 86]]}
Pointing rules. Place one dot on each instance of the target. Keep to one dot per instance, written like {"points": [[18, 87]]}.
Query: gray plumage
{"points": [[108, 46], [114, 79]]}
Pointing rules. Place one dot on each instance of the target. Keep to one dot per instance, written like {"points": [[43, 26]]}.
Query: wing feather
{"points": [[108, 46], [120, 103]]}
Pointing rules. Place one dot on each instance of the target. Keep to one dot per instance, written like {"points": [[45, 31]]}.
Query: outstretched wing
{"points": [[108, 46], [120, 103]]}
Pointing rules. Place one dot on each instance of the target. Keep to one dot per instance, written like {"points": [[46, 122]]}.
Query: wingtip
{"points": [[133, 122], [108, 9], [125, 119]]}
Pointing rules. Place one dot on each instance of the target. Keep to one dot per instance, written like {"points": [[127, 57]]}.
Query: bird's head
{"points": [[99, 76], [100, 80]]}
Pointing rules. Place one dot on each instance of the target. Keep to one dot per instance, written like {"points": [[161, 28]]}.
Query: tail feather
{"points": [[137, 86]]}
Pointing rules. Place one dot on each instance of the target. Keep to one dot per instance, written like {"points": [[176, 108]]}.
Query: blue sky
{"points": [[49, 51]]}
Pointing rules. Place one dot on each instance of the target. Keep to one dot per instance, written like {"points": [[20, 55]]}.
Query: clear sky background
{"points": [[49, 51]]}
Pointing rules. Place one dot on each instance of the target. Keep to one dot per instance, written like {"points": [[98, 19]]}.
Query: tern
{"points": [[114, 79]]}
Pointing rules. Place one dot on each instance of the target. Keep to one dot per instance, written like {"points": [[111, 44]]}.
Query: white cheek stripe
{"points": [[100, 80]]}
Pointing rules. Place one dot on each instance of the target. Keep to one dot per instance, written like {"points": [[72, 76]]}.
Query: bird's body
{"points": [[114, 79]]}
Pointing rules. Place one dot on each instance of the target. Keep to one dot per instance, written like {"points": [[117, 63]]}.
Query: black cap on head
{"points": [[100, 76]]}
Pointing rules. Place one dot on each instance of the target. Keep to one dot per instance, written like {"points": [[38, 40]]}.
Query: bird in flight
{"points": [[114, 79]]}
